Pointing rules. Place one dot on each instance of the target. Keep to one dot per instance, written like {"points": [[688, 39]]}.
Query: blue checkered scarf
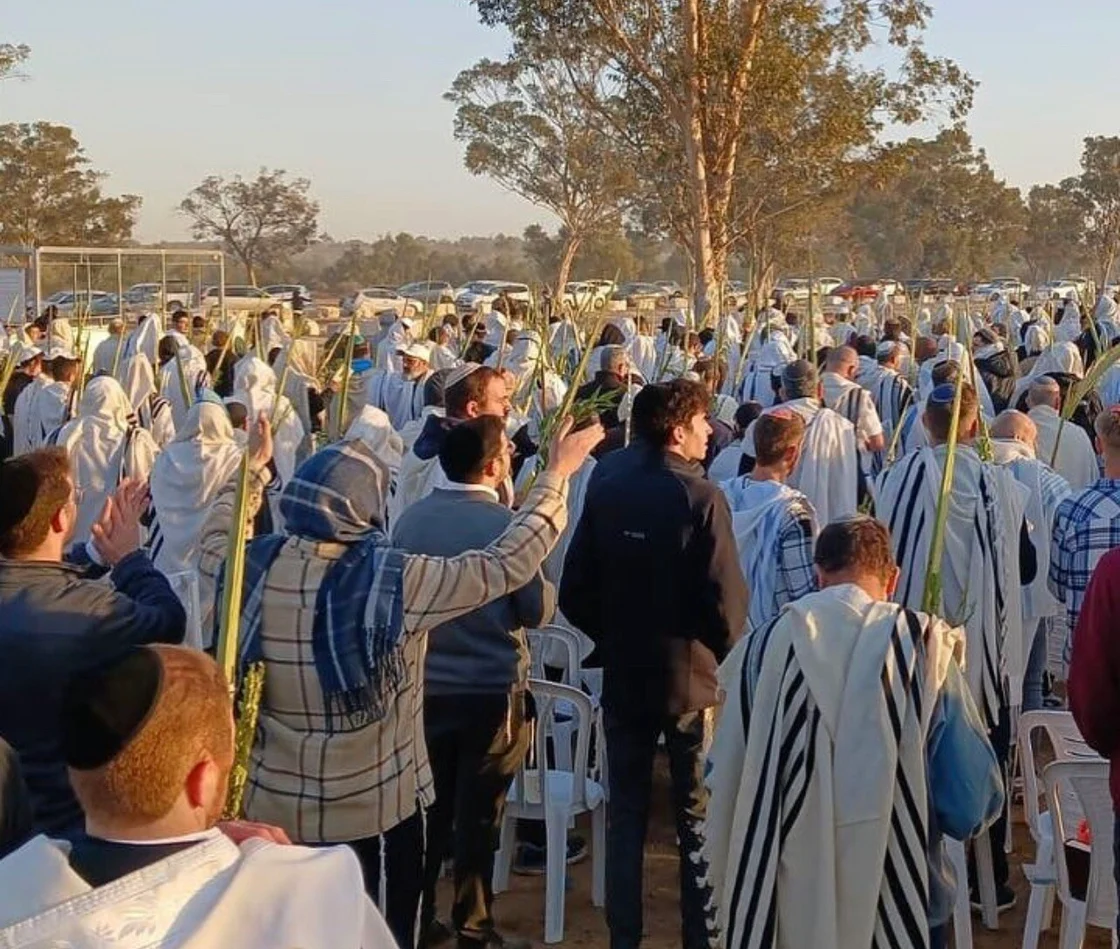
{"points": [[336, 496]]}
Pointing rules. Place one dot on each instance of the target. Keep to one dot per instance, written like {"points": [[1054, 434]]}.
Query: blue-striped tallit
{"points": [[817, 826], [980, 578]]}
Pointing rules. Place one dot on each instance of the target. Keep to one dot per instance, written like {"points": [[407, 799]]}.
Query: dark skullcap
{"points": [[103, 709], [943, 394], [799, 374]]}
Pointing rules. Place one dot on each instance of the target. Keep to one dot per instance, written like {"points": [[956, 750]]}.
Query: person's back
{"points": [[54, 621]]}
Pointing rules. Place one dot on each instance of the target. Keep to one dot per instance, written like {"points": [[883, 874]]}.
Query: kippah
{"points": [[104, 709], [885, 348], [459, 373], [943, 394], [798, 371]]}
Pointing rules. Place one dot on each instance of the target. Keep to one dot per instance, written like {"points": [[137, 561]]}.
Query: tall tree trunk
{"points": [[567, 256], [692, 126]]}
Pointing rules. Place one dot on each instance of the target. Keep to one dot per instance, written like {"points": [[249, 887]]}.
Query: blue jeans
{"points": [[1036, 668], [631, 746]]}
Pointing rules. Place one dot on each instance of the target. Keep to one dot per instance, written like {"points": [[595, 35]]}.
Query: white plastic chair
{"points": [[962, 908], [556, 796], [1089, 781]]}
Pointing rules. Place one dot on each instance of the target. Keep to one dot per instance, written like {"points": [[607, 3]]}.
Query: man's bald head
{"points": [[1015, 426], [843, 360], [925, 348], [1044, 391]]}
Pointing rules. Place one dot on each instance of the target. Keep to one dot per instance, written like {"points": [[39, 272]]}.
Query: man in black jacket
{"points": [[56, 620], [652, 576]]}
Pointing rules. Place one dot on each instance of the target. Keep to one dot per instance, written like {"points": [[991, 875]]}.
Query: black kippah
{"points": [[105, 708]]}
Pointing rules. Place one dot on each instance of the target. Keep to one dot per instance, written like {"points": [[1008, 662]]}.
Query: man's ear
{"points": [[892, 581]]}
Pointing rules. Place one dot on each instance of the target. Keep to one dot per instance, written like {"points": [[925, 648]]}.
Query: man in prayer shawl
{"points": [[298, 367], [338, 756], [842, 330], [828, 470], [399, 335], [108, 357], [43, 406], [401, 394], [149, 740], [1014, 444], [994, 366], [520, 361], [185, 479], [181, 379], [770, 353], [847, 747], [144, 340], [372, 427], [987, 559], [443, 355], [28, 365], [1075, 458], [434, 404], [564, 341], [273, 334], [255, 387], [639, 345], [609, 385], [106, 448], [891, 392], [774, 525], [152, 410], [851, 400], [1068, 322], [470, 391]]}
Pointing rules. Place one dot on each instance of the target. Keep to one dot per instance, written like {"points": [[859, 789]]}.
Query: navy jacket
{"points": [[652, 576], [54, 622]]}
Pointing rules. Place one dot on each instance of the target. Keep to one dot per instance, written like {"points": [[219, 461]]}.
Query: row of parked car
{"points": [[832, 291], [176, 294]]}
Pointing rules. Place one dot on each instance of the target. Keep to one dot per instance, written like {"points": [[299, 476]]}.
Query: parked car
{"points": [[372, 300], [287, 291], [483, 292], [933, 287], [240, 297], [89, 303], [796, 289], [1012, 286], [638, 294], [582, 296], [1061, 288], [856, 292], [429, 291], [151, 295]]}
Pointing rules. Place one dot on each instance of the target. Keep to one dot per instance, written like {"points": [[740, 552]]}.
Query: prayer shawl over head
{"points": [[1109, 387], [254, 385], [564, 343], [827, 473], [40, 411], [109, 351], [144, 340], [642, 349], [152, 410], [1076, 459], [186, 478], [1069, 328], [273, 335], [760, 510], [298, 367], [1061, 358], [337, 496], [386, 356], [194, 373], [817, 827], [105, 447], [254, 896], [401, 399], [762, 366], [980, 579], [373, 429], [521, 360]]}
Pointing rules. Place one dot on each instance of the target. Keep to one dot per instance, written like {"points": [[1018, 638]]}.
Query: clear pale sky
{"points": [[347, 93]]}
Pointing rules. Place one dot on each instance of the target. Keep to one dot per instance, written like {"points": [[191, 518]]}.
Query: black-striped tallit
{"points": [[980, 585], [817, 828]]}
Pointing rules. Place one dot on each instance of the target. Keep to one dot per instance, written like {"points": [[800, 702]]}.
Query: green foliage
{"points": [[263, 222], [1096, 191], [51, 195], [12, 55], [1051, 244]]}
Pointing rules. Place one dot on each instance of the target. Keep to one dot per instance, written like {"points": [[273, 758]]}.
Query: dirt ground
{"points": [[520, 911]]}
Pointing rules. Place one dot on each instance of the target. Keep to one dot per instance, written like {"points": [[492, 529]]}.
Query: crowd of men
{"points": [[737, 523]]}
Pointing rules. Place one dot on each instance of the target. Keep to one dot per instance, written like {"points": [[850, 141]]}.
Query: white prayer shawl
{"points": [[773, 356], [399, 398], [372, 426], [725, 465], [254, 385], [827, 472], [816, 828], [386, 356], [1076, 460], [521, 361], [40, 411], [496, 326], [144, 340], [563, 342], [171, 388], [1069, 328], [105, 355], [412, 430], [760, 510], [186, 478], [1046, 490], [1062, 358], [300, 377], [1109, 387], [273, 335], [980, 581], [257, 896], [642, 349], [1036, 340], [104, 448], [842, 332], [442, 358]]}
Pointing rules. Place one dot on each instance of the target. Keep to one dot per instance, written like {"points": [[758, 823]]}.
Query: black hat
{"points": [[104, 708]]}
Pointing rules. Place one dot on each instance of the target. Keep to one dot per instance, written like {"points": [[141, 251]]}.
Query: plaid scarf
{"points": [[336, 496]]}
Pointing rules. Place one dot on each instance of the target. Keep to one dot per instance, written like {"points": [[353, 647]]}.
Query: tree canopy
{"points": [[263, 221]]}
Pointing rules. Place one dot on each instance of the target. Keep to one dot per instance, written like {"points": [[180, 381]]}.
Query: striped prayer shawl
{"points": [[819, 791], [979, 567]]}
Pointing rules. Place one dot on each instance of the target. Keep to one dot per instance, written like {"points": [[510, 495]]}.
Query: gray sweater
{"points": [[484, 651]]}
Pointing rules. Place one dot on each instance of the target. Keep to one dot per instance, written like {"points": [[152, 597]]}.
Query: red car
{"points": [[864, 291]]}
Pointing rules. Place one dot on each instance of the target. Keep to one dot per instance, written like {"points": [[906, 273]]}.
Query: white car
{"points": [[240, 297], [1059, 289], [428, 291], [287, 291], [583, 296], [370, 301], [797, 288], [150, 295], [484, 292]]}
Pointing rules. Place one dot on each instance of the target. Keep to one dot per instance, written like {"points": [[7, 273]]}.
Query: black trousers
{"points": [[631, 746], [401, 848], [475, 745]]}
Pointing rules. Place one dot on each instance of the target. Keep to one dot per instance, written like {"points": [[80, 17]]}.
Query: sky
{"points": [[348, 94]]}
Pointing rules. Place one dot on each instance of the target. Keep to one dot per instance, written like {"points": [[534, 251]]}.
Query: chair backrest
{"points": [[555, 646], [1033, 792], [1089, 781], [551, 698]]}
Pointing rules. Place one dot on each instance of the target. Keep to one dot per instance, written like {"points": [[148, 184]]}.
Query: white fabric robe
{"points": [[980, 579], [257, 896], [254, 385], [1076, 460], [104, 448], [105, 355], [818, 800], [144, 340], [153, 411], [40, 411], [642, 350], [300, 377], [400, 398]]}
